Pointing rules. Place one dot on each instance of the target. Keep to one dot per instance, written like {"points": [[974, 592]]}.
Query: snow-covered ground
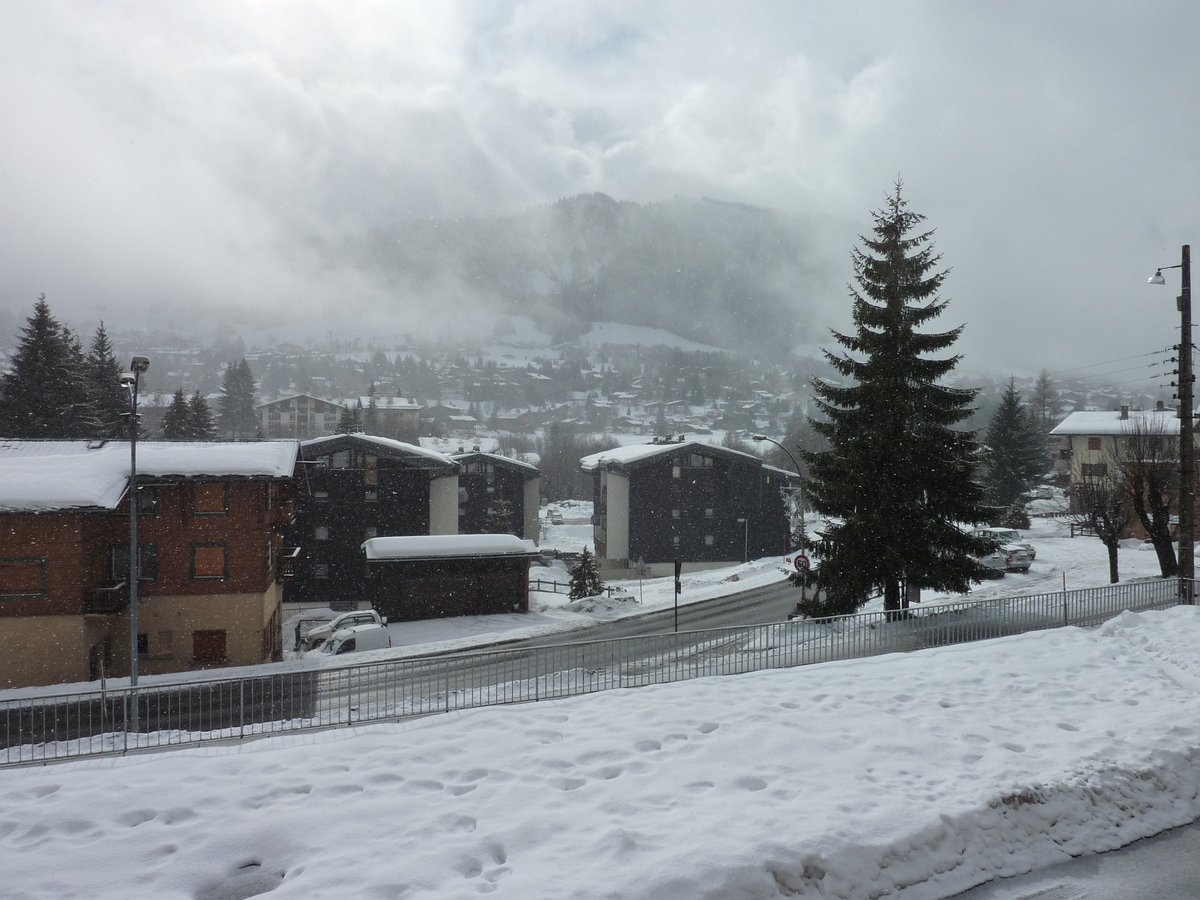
{"points": [[927, 772]]}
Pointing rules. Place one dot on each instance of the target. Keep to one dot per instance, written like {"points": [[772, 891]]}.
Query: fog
{"points": [[206, 161]]}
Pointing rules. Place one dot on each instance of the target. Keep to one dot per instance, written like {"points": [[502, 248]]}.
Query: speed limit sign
{"points": [[801, 563]]}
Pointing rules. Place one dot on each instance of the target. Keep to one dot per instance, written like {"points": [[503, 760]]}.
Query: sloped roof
{"points": [[447, 546], [1109, 422], [387, 447], [42, 476], [631, 455], [531, 470]]}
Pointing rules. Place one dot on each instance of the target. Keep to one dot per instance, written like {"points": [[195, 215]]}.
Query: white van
{"points": [[319, 635], [354, 639]]}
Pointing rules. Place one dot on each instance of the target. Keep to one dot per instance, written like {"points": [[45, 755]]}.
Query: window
{"points": [[147, 501], [708, 540], [369, 532], [321, 533], [675, 514], [676, 472], [1094, 470], [708, 513], [23, 577], [147, 562], [320, 496], [320, 570], [1064, 454], [371, 475], [209, 562], [209, 498], [208, 646], [675, 541], [371, 496], [1095, 443], [164, 644], [143, 644]]}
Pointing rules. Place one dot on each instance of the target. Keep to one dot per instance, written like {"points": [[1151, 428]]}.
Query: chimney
{"points": [[1124, 412], [1160, 406]]}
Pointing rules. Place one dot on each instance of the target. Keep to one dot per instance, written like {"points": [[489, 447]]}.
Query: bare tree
{"points": [[1098, 503], [1149, 463]]}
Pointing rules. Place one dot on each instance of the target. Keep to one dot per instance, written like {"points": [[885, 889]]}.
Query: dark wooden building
{"points": [[487, 478], [434, 577], [211, 518], [359, 487], [704, 505]]}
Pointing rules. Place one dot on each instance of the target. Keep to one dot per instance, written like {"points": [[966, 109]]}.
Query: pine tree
{"points": [[348, 421], [110, 401], [201, 426], [236, 417], [1045, 405], [499, 519], [897, 476], [45, 393], [177, 421], [1016, 454], [585, 579]]}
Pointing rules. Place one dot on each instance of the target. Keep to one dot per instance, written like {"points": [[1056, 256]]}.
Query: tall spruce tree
{"points": [[176, 423], [897, 476], [45, 393], [236, 417], [201, 426], [110, 401], [1016, 450]]}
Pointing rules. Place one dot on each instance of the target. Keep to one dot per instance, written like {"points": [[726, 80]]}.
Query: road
{"points": [[1164, 867]]}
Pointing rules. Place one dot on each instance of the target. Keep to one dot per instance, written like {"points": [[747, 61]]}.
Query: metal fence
{"points": [[60, 725]]}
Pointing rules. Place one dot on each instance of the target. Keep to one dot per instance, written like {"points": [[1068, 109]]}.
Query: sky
{"points": [[206, 160]]}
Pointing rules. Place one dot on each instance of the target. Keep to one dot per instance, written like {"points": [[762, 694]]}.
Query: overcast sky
{"points": [[186, 156]]}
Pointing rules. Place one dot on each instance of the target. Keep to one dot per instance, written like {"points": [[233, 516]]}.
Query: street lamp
{"points": [[762, 437], [131, 380], [1187, 452]]}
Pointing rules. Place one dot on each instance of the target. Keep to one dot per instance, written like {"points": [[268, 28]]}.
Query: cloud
{"points": [[214, 156]]}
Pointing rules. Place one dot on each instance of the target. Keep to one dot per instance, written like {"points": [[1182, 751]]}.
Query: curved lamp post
{"points": [[762, 437], [1187, 451]]}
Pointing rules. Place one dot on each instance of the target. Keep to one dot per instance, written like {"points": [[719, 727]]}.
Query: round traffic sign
{"points": [[801, 562]]}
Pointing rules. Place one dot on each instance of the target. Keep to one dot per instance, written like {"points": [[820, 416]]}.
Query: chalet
{"points": [[448, 575], [1091, 444], [706, 506], [487, 478], [362, 486], [298, 416], [398, 418], [211, 518]]}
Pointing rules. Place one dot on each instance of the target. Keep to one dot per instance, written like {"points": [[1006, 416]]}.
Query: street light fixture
{"points": [[762, 437], [1187, 450], [131, 380]]}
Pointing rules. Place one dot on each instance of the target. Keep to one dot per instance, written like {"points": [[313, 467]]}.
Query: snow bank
{"points": [[914, 776]]}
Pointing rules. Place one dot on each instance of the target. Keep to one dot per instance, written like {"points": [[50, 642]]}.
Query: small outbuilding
{"points": [[437, 576]]}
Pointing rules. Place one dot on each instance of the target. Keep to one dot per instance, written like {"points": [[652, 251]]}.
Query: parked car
{"points": [[354, 639], [554, 517], [1007, 537], [322, 633]]}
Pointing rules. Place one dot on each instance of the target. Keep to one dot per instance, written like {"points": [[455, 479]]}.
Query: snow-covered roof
{"points": [[389, 402], [447, 546], [316, 446], [635, 453], [40, 476], [497, 458], [1148, 421]]}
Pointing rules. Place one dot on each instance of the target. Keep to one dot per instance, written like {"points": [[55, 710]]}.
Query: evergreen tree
{"points": [[1045, 405], [499, 519], [45, 393], [1016, 454], [585, 579], [236, 417], [177, 420], [1016, 516], [201, 426], [348, 421], [897, 476], [110, 401]]}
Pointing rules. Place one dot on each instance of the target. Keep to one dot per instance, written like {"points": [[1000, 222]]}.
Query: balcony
{"points": [[106, 601]]}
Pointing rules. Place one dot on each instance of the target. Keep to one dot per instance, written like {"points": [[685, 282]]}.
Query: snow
{"points": [[444, 546], [1150, 421], [37, 476], [910, 775], [928, 772], [631, 453], [314, 446]]}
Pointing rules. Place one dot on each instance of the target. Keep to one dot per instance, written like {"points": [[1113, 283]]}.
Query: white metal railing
{"points": [[64, 725]]}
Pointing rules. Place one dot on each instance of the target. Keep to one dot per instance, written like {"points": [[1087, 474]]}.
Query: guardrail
{"points": [[65, 725]]}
